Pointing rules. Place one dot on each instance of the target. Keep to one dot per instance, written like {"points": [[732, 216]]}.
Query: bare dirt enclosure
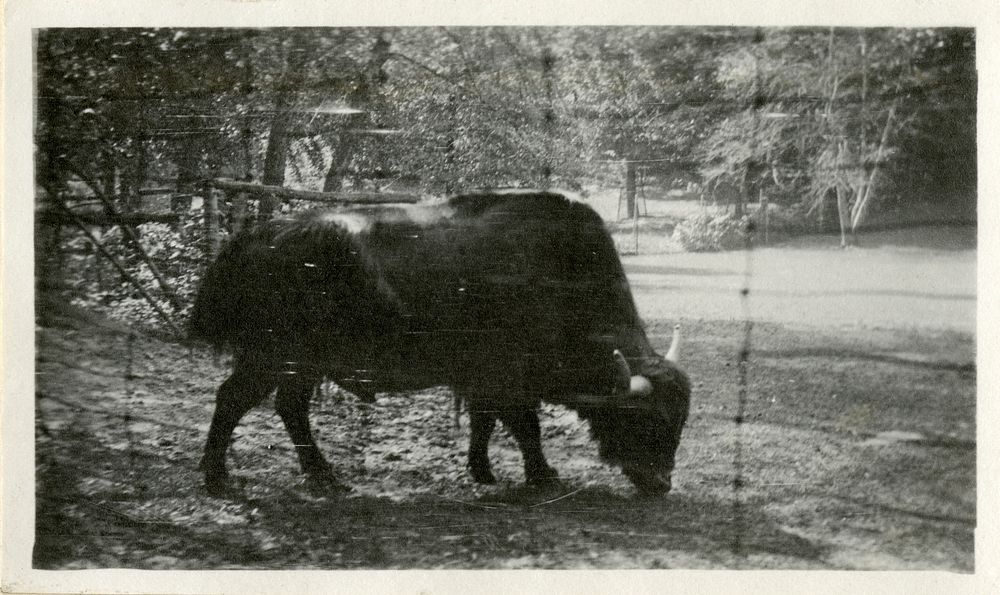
{"points": [[857, 452]]}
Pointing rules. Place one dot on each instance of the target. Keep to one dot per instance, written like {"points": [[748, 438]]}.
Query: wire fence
{"points": [[218, 208]]}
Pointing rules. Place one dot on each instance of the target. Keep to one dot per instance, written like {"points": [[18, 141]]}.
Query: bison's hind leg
{"points": [[523, 424], [292, 405], [480, 429], [245, 388]]}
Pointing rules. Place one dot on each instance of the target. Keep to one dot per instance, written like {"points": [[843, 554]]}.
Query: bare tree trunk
{"points": [[862, 182], [742, 193], [843, 201], [372, 78], [341, 160], [187, 175], [134, 175], [864, 90], [277, 149], [49, 271], [275, 158], [247, 133], [844, 210], [822, 212], [835, 80], [276, 154], [858, 213], [238, 215]]}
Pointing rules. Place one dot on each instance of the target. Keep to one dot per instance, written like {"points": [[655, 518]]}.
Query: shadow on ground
{"points": [[167, 522]]}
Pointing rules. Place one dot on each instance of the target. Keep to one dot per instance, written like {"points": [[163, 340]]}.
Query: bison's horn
{"points": [[675, 345], [623, 373]]}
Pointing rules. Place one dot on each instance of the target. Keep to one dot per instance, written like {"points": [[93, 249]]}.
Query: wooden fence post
{"points": [[635, 226], [630, 205], [767, 214], [238, 215]]}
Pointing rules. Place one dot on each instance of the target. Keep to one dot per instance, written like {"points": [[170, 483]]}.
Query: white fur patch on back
{"points": [[354, 223], [426, 215]]}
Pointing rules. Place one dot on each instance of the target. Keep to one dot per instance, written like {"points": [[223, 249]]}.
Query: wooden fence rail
{"points": [[239, 191], [308, 195], [53, 217]]}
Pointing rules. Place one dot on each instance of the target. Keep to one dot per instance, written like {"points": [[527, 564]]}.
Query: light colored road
{"points": [[882, 287]]}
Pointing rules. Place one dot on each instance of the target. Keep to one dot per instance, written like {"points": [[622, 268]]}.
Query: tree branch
{"points": [[114, 261], [859, 209], [129, 234]]}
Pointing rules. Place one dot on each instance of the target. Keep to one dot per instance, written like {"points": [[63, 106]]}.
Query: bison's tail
{"points": [[213, 317]]}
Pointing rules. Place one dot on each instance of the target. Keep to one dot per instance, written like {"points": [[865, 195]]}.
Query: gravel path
{"points": [[880, 287]]}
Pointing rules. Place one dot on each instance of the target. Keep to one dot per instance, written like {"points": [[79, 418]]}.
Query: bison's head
{"points": [[639, 428]]}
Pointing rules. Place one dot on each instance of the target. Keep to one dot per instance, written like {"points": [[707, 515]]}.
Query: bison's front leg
{"points": [[292, 405], [241, 392], [523, 424]]}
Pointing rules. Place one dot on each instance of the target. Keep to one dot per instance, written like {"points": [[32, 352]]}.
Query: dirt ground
{"points": [[858, 452]]}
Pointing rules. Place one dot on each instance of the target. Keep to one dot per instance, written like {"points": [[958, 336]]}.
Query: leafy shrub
{"points": [[711, 233], [94, 282]]}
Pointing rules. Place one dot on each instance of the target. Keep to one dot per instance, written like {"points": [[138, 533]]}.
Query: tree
{"points": [[842, 117], [830, 111], [479, 107], [120, 102]]}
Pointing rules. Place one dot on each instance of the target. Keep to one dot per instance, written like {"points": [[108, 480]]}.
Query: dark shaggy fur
{"points": [[508, 299]]}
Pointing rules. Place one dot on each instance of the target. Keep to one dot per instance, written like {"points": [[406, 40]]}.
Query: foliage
{"points": [[868, 121], [710, 233], [494, 105], [94, 283], [832, 112], [774, 108]]}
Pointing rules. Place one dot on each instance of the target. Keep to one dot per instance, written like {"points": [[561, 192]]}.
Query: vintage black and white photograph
{"points": [[505, 297]]}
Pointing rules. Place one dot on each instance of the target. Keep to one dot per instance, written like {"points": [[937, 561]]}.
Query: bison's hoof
{"points": [[651, 487], [480, 475], [325, 485], [222, 487], [543, 477], [653, 492]]}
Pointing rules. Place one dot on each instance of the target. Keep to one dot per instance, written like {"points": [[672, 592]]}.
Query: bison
{"points": [[508, 298]]}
